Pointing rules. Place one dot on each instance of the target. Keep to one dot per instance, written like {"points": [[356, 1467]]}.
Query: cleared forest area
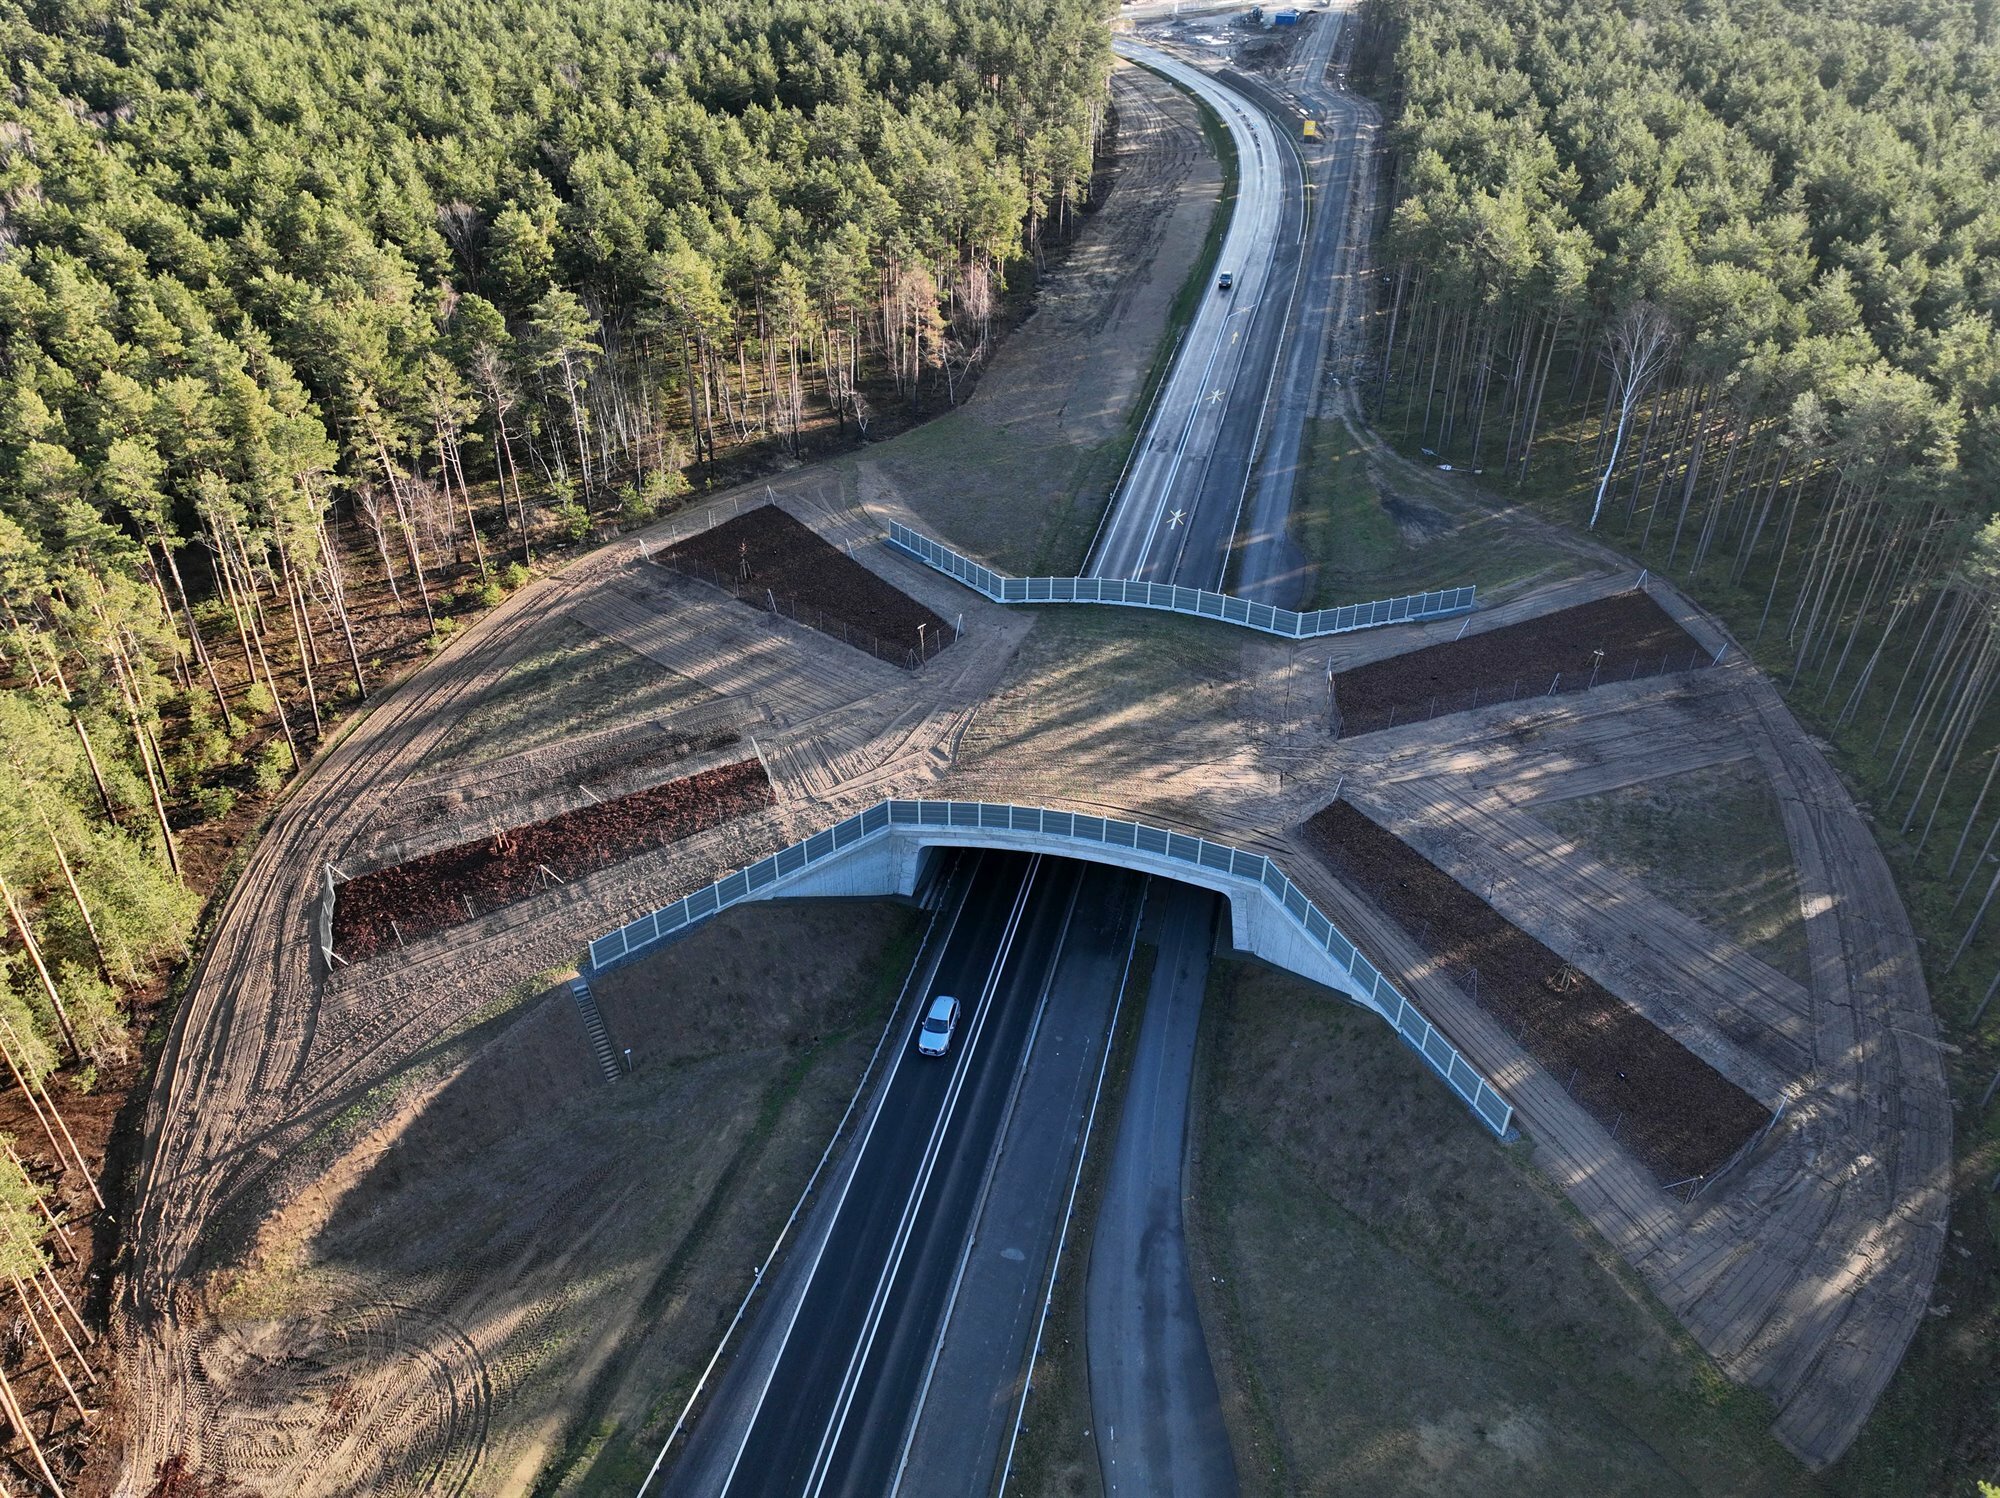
{"points": [[1719, 290]]}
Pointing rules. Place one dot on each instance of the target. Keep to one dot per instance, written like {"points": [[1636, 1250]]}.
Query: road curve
{"points": [[1269, 566], [1162, 525]]}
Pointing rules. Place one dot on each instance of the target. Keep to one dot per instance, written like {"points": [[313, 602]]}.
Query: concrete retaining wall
{"points": [[880, 852]]}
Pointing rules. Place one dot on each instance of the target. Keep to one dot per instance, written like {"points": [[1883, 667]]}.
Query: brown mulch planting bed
{"points": [[1671, 1109], [1554, 652], [769, 560], [429, 894]]}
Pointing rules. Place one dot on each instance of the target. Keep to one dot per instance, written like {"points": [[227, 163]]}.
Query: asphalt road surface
{"points": [[1175, 512], [829, 1412], [1153, 1396], [1269, 566], [850, 1382], [965, 1426]]}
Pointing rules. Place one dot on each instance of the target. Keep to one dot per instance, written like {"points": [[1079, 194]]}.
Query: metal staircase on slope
{"points": [[593, 1026]]}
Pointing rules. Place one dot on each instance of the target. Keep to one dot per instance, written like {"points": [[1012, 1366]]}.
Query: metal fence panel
{"points": [[1197, 602], [627, 941]]}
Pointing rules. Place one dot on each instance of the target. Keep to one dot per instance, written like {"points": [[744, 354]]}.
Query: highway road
{"points": [[1206, 497], [890, 1346], [1269, 567], [1175, 511], [966, 1424], [822, 1397]]}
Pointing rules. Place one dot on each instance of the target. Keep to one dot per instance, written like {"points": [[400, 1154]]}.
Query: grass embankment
{"points": [[1021, 477], [799, 1090], [1709, 842], [592, 1240], [1057, 1453], [1108, 466], [1367, 541], [1398, 1304]]}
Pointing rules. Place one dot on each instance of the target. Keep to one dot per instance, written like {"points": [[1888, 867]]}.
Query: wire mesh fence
{"points": [[1174, 599], [906, 654], [1106, 839], [1352, 722]]}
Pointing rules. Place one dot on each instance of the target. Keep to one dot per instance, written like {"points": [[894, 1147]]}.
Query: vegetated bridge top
{"points": [[1224, 738]]}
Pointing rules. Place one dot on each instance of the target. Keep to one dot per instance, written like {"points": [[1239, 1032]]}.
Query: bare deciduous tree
{"points": [[1636, 346]]}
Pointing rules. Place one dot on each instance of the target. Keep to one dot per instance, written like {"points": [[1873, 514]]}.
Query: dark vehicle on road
{"points": [[1228, 280], [934, 1039]]}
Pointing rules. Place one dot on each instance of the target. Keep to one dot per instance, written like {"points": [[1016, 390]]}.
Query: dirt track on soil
{"points": [[263, 1053], [455, 885], [1664, 1104]]}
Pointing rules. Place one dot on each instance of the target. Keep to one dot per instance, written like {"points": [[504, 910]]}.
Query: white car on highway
{"points": [[934, 1039]]}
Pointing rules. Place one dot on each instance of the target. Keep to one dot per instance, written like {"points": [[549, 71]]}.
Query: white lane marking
{"points": [[1166, 488], [822, 1466], [1257, 197], [1266, 204], [1281, 355], [1075, 1184], [985, 1189], [833, 1219], [937, 950]]}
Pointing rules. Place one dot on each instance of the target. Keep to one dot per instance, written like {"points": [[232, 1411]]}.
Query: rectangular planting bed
{"points": [[1554, 654], [1679, 1116], [769, 560], [430, 894]]}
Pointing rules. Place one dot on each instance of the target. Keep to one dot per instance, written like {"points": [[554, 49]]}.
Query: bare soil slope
{"points": [[500, 1250]]}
